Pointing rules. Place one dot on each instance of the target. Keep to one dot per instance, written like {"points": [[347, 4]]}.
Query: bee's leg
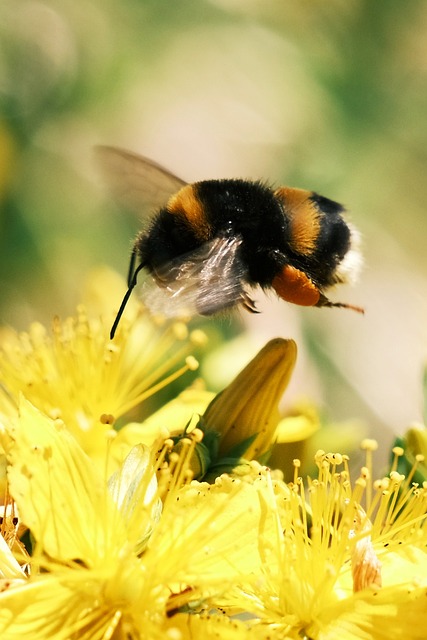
{"points": [[248, 303], [325, 302], [293, 285]]}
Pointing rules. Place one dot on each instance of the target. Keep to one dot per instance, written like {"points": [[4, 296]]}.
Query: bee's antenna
{"points": [[132, 278], [132, 266]]}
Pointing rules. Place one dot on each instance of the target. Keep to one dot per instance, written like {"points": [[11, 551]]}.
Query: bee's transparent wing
{"points": [[206, 281], [137, 183]]}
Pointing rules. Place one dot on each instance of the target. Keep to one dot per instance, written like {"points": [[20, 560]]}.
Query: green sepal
{"points": [[239, 450], [223, 465], [205, 452]]}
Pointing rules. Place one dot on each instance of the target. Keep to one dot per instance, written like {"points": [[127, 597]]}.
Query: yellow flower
{"points": [[241, 422], [170, 420], [52, 481], [78, 374], [246, 412], [107, 559], [322, 577]]}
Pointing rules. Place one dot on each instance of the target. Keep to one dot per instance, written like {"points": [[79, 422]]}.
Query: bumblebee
{"points": [[211, 242]]}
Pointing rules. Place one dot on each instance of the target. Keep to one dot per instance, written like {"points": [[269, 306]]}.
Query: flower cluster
{"points": [[172, 527]]}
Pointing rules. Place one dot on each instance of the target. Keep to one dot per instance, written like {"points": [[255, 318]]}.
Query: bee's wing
{"points": [[136, 183], [204, 282]]}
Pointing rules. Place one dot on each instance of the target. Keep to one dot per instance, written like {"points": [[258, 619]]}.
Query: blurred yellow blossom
{"points": [[303, 430], [76, 373]]}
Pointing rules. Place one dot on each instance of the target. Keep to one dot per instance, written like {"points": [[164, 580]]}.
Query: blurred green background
{"points": [[329, 96]]}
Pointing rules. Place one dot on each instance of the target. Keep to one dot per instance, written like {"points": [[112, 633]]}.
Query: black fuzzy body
{"points": [[252, 211]]}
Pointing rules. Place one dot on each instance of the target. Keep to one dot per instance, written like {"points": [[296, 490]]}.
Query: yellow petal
{"points": [[210, 532], [248, 407], [102, 289], [58, 492], [58, 607], [392, 612], [134, 490], [170, 420], [9, 567], [175, 415], [296, 428]]}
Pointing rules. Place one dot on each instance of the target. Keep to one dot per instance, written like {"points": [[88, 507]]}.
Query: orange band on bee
{"points": [[187, 204], [304, 218], [295, 286]]}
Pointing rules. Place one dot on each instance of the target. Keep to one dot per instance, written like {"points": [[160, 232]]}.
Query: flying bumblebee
{"points": [[210, 242]]}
